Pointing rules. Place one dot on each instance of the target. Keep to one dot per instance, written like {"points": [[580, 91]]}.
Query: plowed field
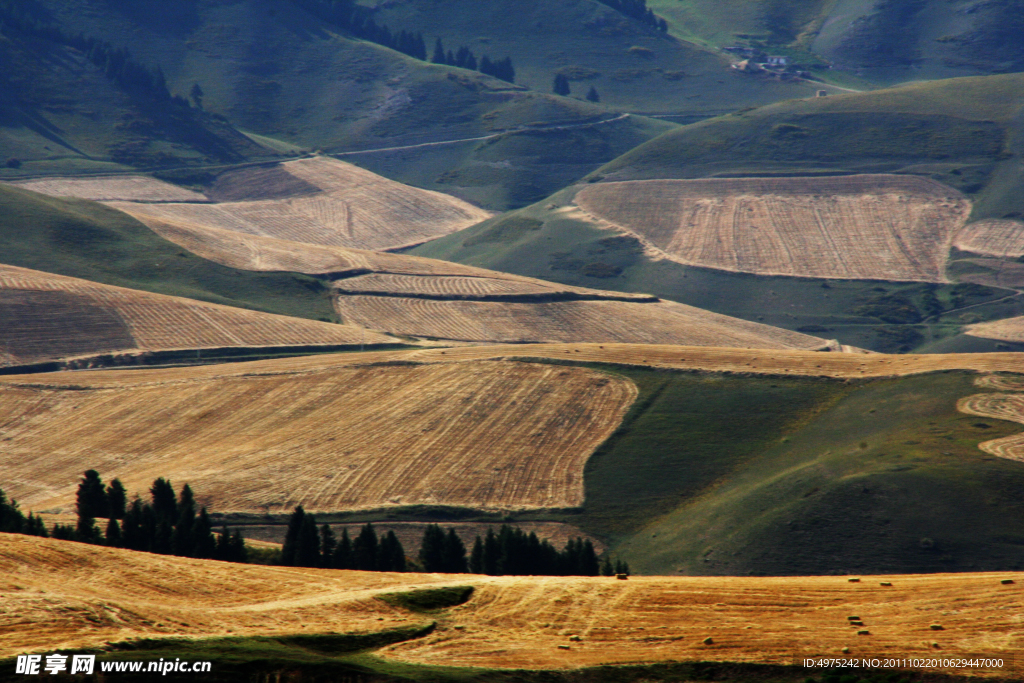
{"points": [[112, 188], [492, 435], [320, 201], [870, 226], [59, 594], [564, 321], [1004, 239], [51, 317]]}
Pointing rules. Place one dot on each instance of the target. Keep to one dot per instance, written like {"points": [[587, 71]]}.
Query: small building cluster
{"points": [[756, 61]]}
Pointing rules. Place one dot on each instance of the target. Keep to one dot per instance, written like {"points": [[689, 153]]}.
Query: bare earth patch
{"points": [[883, 227], [486, 435]]}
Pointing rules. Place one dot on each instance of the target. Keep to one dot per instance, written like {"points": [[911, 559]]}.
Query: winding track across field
{"points": [[71, 596], [999, 406]]}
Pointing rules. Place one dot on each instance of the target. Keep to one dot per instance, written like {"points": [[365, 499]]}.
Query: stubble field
{"points": [[72, 596], [881, 227], [486, 435]]}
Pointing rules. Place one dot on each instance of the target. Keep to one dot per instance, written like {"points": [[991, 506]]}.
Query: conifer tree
{"points": [[117, 498], [165, 503], [606, 567], [307, 552], [438, 56], [364, 549], [390, 554], [86, 531], [91, 497], [476, 557], [432, 549], [592, 95], [291, 538], [203, 544], [560, 86], [492, 553], [454, 552], [113, 533], [327, 545], [182, 539], [343, 553]]}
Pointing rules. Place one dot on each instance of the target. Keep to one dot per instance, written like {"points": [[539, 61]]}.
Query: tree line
{"points": [[511, 551], [167, 524], [358, 20], [638, 9]]}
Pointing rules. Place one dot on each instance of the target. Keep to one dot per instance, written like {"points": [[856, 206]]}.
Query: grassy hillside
{"points": [[87, 240], [722, 474], [633, 66]]}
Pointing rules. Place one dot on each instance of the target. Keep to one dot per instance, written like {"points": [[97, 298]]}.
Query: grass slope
{"points": [[723, 475], [87, 240]]}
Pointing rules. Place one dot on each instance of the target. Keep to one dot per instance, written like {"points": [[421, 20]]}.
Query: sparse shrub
{"points": [[13, 163], [602, 270]]}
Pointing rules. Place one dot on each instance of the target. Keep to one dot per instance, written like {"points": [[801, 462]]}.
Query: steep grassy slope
{"points": [[83, 239], [59, 110]]}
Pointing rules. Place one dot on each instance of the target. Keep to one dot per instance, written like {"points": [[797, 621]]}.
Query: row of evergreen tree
{"points": [[117, 64], [560, 86], [168, 524], [509, 552], [358, 20], [638, 10]]}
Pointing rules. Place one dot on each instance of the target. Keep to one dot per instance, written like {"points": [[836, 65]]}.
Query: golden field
{"points": [[51, 317], [1000, 238], [882, 227], [480, 434], [56, 594], [128, 188], [318, 201]]}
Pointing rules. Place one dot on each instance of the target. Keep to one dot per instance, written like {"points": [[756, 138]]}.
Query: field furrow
{"points": [[1001, 382], [491, 435], [1001, 407], [1001, 238], [860, 227], [52, 317]]}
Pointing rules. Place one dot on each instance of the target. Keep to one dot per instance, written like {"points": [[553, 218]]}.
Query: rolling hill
{"points": [[54, 318], [963, 133]]}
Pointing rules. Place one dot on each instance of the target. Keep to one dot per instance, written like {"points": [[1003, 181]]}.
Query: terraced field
{"points": [[112, 188], [319, 201], [51, 317], [663, 322], [489, 435], [74, 596], [1000, 238], [881, 227]]}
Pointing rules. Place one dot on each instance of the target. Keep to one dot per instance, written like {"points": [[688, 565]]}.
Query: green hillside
{"points": [[87, 240]]}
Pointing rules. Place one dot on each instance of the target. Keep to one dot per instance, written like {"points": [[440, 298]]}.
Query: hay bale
{"points": [[1006, 581], [845, 650], [885, 583], [936, 627], [708, 640], [864, 632], [563, 647], [622, 577], [852, 618], [854, 580], [575, 639]]}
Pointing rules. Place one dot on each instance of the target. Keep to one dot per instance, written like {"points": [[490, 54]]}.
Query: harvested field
{"points": [[882, 227], [52, 317], [663, 322], [488, 435], [1000, 238], [1000, 407], [1001, 382], [135, 188], [1008, 329], [319, 201], [73, 596], [696, 358]]}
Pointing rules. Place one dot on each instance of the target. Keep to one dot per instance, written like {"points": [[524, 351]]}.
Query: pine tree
{"points": [[327, 545], [454, 552], [196, 95], [438, 56], [91, 497], [291, 537], [236, 548], [183, 540], [592, 95], [162, 538], [492, 554], [621, 568], [131, 528], [560, 86], [113, 533], [307, 552], [343, 554], [165, 503], [203, 544], [117, 498], [390, 554], [223, 551], [11, 519], [606, 567], [588, 565], [432, 555], [34, 526], [86, 531], [476, 557], [364, 549]]}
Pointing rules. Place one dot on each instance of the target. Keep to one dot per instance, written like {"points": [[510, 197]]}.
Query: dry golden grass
{"points": [[1008, 329], [71, 596], [61, 595], [490, 435], [112, 188], [52, 317], [321, 201], [883, 227], [599, 321], [1001, 238]]}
